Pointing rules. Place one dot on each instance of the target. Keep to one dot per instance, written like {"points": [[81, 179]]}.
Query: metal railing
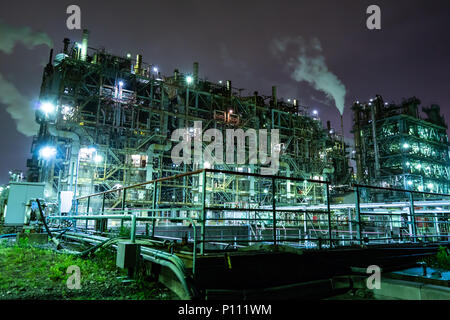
{"points": [[406, 214], [237, 209]]}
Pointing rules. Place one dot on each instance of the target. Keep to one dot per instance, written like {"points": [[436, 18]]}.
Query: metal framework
{"points": [[396, 148], [214, 225], [114, 117]]}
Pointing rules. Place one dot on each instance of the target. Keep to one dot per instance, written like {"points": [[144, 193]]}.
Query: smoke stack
{"points": [[195, 72], [138, 66], [84, 45], [66, 45], [328, 125], [48, 70], [175, 74], [274, 96], [228, 86], [295, 103], [50, 57]]}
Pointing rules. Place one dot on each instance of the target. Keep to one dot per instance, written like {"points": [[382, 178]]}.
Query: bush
{"points": [[443, 258], [124, 232]]}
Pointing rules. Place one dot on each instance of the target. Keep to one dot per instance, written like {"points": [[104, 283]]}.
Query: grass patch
{"points": [[28, 272], [441, 260]]}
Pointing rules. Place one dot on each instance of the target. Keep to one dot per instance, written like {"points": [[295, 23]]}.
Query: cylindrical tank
{"points": [[59, 58]]}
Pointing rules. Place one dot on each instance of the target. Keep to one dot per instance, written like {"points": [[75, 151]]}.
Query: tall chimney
{"points": [[84, 45], [50, 57], [195, 72], [138, 66], [228, 87], [274, 96], [66, 45]]}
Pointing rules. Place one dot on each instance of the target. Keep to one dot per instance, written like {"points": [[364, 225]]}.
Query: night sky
{"points": [[232, 40]]}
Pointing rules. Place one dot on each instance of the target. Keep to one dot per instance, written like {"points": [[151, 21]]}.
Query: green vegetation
{"points": [[28, 272], [441, 260], [125, 232]]}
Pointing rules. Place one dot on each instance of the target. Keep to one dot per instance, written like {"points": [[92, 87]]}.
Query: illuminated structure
{"points": [[396, 148], [106, 122]]}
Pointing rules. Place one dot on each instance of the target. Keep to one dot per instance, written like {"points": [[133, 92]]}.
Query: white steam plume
{"points": [[309, 65], [17, 105], [19, 108], [10, 36]]}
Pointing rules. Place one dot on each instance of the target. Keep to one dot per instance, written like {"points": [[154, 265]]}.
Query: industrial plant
{"points": [[102, 161]]}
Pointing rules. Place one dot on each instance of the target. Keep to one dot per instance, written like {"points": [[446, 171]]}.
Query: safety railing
{"points": [[214, 198], [218, 209], [413, 216]]}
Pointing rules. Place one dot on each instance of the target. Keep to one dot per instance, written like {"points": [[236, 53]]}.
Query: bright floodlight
{"points": [[121, 83], [189, 79], [47, 107], [430, 186], [89, 150], [98, 158], [315, 112], [410, 183], [155, 69], [405, 146], [47, 152]]}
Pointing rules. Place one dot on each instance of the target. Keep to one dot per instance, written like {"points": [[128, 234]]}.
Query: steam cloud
{"points": [[17, 105], [310, 66]]}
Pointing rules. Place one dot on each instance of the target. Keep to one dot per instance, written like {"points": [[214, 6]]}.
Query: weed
{"points": [[443, 258], [124, 231]]}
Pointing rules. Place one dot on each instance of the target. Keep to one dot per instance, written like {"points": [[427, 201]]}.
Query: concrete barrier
{"points": [[407, 290]]}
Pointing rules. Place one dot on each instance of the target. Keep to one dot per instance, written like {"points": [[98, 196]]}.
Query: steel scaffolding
{"points": [[114, 117], [396, 148]]}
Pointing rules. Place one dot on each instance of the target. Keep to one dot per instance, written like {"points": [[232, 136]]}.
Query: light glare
{"points": [[47, 152], [47, 107]]}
